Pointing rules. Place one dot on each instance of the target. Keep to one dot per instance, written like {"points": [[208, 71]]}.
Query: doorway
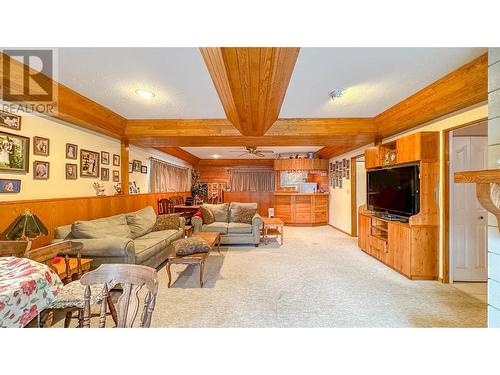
{"points": [[468, 220], [358, 190]]}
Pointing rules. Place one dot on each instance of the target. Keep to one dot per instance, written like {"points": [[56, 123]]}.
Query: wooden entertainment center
{"points": [[410, 248]]}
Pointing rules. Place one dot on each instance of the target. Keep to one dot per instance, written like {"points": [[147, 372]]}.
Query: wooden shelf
{"points": [[479, 177], [380, 228], [487, 188]]}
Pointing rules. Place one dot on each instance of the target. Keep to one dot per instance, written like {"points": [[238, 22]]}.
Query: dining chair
{"points": [[69, 299], [132, 278], [13, 248]]}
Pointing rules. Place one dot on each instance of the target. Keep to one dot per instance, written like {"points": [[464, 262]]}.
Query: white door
{"points": [[468, 224]]}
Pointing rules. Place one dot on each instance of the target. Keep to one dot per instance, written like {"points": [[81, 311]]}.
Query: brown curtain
{"points": [[251, 180], [165, 177]]}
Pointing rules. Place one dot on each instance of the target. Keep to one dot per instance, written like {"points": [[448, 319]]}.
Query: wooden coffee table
{"points": [[213, 238], [272, 226]]}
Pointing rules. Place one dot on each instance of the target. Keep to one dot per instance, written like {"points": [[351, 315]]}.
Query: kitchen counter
{"points": [[301, 209]]}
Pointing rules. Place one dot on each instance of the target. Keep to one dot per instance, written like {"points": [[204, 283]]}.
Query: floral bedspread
{"points": [[26, 288]]}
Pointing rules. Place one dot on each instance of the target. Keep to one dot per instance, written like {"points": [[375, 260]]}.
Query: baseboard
{"points": [[340, 230]]}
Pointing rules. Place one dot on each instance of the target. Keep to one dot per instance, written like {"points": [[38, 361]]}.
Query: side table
{"points": [[272, 226]]}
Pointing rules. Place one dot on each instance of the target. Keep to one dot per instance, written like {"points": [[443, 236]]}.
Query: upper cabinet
{"points": [[423, 146], [301, 165]]}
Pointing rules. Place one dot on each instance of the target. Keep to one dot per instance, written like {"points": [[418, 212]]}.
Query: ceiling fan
{"points": [[252, 150]]}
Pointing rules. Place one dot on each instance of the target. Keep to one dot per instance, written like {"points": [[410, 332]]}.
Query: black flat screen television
{"points": [[394, 190]]}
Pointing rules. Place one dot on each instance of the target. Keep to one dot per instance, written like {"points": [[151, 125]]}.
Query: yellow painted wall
{"points": [[340, 199], [57, 186]]}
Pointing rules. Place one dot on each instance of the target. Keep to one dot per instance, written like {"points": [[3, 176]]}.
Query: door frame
{"points": [[446, 196], [354, 198]]}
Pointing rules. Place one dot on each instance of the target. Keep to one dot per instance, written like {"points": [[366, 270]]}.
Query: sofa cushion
{"points": [[114, 226], [215, 227], [168, 221], [152, 243], [239, 228], [191, 245], [207, 215], [141, 222], [236, 207], [220, 211]]}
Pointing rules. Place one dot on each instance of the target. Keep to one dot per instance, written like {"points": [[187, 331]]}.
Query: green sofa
{"points": [[125, 238], [231, 232]]}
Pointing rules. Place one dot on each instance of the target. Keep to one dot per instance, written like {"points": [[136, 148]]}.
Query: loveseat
{"points": [[125, 238], [232, 232]]}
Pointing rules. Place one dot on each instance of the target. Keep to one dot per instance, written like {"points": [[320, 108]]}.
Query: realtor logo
{"points": [[28, 81]]}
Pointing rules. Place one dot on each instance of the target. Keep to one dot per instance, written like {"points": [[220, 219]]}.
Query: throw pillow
{"points": [[208, 216], [191, 245], [168, 221], [244, 215], [220, 211], [114, 226], [141, 222]]}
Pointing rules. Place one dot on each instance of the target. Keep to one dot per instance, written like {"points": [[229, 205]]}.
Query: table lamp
{"points": [[26, 227]]}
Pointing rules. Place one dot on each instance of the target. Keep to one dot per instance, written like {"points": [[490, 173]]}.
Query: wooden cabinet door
{"points": [[364, 232], [399, 247], [372, 157], [408, 148]]}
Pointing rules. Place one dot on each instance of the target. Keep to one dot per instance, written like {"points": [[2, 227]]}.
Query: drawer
{"points": [[378, 244]]}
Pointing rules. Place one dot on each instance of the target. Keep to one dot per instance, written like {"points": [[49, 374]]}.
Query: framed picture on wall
{"points": [[8, 185], [41, 146], [105, 158], [136, 165], [89, 163], [144, 169], [116, 160], [71, 171], [10, 121], [116, 176], [71, 151], [130, 168], [104, 174], [14, 153], [41, 170]]}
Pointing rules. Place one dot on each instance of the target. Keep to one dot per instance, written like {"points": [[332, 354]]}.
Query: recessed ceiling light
{"points": [[216, 156], [145, 94], [337, 93]]}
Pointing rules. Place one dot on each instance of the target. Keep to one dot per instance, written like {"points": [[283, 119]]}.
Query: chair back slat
{"points": [[13, 248], [132, 278]]}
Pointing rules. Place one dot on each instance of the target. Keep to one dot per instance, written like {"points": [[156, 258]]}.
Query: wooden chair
{"points": [[13, 248], [132, 278], [69, 299], [165, 206]]}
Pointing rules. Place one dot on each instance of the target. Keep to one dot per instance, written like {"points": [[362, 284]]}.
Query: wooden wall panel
{"points": [[62, 211]]}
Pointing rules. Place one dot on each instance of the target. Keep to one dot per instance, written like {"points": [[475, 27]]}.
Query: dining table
{"points": [[26, 288]]}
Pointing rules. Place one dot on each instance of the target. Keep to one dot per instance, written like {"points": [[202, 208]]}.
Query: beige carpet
{"points": [[318, 278]]}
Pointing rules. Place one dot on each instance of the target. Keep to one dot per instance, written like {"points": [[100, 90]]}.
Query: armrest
{"points": [[108, 247], [182, 222], [197, 223], [256, 221]]}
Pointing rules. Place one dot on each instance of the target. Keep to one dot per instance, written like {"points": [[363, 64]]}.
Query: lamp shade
{"points": [[26, 227]]}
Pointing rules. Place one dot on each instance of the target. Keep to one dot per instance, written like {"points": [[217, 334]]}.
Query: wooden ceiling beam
{"points": [[462, 88], [213, 132], [180, 154], [236, 162], [251, 83], [70, 106]]}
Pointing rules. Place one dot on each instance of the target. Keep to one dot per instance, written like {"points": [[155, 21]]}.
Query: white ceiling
{"points": [[110, 76], [226, 152], [374, 78]]}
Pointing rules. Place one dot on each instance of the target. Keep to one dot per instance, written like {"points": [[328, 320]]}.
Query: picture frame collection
{"points": [[339, 170], [15, 158]]}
